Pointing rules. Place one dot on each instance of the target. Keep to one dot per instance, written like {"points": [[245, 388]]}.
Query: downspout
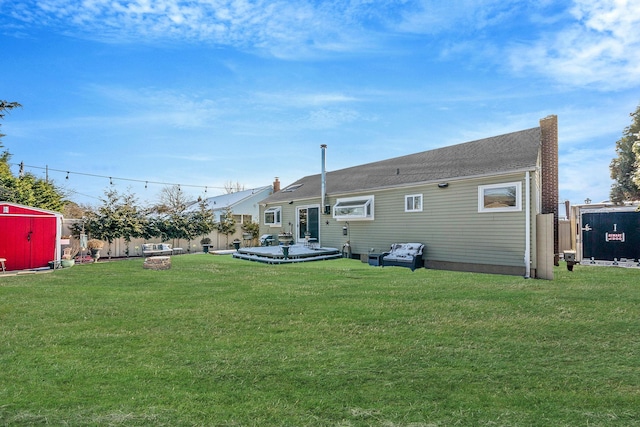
{"points": [[323, 182], [527, 225]]}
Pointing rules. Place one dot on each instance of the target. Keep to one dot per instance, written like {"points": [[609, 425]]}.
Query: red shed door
{"points": [[43, 241], [28, 242]]}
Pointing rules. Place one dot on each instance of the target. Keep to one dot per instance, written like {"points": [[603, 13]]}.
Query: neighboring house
{"points": [[476, 206], [244, 204]]}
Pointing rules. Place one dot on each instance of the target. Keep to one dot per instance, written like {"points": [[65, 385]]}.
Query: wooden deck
{"points": [[296, 253]]}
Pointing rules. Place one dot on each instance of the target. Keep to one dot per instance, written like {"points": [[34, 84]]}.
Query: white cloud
{"points": [[434, 16], [600, 48], [153, 106], [583, 172], [326, 118], [282, 28], [301, 100]]}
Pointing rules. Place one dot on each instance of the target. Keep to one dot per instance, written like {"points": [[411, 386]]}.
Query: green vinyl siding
{"points": [[459, 233], [449, 224], [288, 213]]}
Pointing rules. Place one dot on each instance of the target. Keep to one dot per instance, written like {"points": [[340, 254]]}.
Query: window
{"points": [[273, 216], [291, 188], [354, 208], [413, 203], [242, 219], [500, 197]]}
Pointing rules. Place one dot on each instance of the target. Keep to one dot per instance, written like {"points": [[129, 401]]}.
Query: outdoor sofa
{"points": [[404, 255], [156, 249]]}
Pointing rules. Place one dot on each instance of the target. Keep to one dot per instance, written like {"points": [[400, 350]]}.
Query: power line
{"points": [[82, 194]]}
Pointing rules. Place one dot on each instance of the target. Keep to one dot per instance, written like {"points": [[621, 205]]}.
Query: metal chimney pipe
{"points": [[323, 182]]}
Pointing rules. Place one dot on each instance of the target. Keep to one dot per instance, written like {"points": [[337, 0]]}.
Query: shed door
{"points": [[43, 241], [609, 235], [28, 242]]}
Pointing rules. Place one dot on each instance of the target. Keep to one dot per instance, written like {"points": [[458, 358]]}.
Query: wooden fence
{"points": [[120, 248]]}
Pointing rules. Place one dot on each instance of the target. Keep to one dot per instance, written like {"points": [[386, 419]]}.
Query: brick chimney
{"points": [[549, 159], [276, 185]]}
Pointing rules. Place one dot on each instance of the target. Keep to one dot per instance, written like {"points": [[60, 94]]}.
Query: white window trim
{"points": [[291, 188], [368, 202], [413, 196], [277, 214], [516, 208]]}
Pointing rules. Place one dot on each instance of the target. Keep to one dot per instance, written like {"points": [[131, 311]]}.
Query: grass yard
{"points": [[221, 342]]}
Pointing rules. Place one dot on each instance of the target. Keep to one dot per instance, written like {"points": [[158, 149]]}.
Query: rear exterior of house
{"points": [[29, 237], [477, 206]]}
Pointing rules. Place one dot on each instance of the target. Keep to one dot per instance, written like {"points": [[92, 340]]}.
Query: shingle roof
{"points": [[227, 200], [499, 154]]}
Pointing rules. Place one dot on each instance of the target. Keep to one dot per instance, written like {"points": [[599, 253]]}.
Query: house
{"points": [[29, 237], [244, 204], [489, 205]]}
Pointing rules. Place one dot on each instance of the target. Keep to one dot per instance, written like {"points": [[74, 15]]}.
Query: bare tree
{"points": [[172, 200], [230, 187]]}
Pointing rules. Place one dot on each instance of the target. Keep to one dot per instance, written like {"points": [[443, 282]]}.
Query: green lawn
{"points": [[221, 342]]}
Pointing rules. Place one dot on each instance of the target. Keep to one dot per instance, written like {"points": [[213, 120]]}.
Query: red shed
{"points": [[29, 237]]}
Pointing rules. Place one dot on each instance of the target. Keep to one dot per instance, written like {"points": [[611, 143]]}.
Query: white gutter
{"points": [[323, 186], [527, 230]]}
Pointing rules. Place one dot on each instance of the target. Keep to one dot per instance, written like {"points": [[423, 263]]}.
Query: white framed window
{"points": [[413, 203], [273, 216], [505, 197], [242, 218], [291, 188], [354, 208]]}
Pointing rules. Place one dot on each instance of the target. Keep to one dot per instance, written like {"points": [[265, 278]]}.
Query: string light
{"points": [[146, 182]]}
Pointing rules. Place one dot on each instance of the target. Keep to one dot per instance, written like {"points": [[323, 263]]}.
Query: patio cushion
{"points": [[404, 255]]}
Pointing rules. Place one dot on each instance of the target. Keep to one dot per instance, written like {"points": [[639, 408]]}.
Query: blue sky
{"points": [[203, 93]]}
